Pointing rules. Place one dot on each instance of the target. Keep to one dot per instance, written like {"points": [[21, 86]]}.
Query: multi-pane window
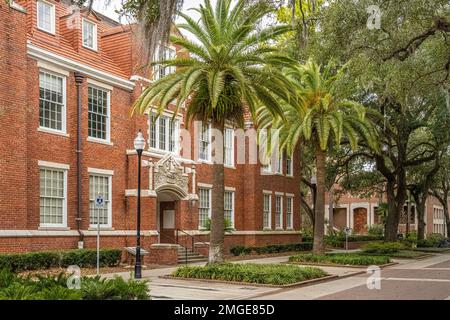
{"points": [[89, 35], [51, 101], [267, 211], [278, 212], [289, 166], [204, 206], [205, 142], [46, 16], [98, 113], [163, 133], [439, 221], [289, 212], [159, 71], [99, 185], [52, 197], [279, 164], [228, 146], [229, 206]]}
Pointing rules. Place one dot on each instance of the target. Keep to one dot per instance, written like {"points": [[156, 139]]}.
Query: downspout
{"points": [[79, 82]]}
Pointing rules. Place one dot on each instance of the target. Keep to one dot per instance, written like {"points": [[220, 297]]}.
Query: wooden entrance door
{"points": [[360, 220], [167, 224]]}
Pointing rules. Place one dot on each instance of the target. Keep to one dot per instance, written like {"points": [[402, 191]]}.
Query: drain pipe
{"points": [[79, 82]]}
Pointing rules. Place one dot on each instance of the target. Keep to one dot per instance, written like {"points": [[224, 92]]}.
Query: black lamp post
{"points": [[139, 145]]}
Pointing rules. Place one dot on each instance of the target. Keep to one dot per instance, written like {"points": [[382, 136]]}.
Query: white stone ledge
{"points": [[71, 233]]}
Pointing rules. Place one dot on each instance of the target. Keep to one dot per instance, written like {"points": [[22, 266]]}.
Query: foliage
{"points": [[432, 240], [337, 239], [272, 248], [340, 258], [383, 247], [50, 259], [251, 273], [13, 287], [228, 225], [376, 230]]}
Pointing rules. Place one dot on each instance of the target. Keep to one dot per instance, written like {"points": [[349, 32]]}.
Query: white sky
{"points": [[108, 10]]}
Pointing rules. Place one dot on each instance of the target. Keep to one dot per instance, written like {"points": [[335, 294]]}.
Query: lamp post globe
{"points": [[139, 145]]}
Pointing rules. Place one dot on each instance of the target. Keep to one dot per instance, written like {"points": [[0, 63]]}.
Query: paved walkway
{"points": [[410, 279]]}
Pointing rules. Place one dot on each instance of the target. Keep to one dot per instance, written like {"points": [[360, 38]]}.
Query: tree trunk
{"points": [[330, 208], [318, 245], [393, 215], [447, 218], [420, 200], [217, 235]]}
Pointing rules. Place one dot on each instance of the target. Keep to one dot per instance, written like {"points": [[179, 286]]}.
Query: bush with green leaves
{"points": [[432, 240], [337, 239], [376, 230], [45, 260], [383, 247], [14, 287], [250, 273], [340, 258], [271, 248]]}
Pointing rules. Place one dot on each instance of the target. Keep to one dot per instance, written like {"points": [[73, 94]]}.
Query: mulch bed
{"points": [[291, 285]]}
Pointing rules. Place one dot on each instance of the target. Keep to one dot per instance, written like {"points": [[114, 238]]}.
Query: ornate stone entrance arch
{"points": [[170, 177]]}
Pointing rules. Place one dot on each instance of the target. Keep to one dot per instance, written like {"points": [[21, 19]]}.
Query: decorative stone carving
{"points": [[169, 172]]}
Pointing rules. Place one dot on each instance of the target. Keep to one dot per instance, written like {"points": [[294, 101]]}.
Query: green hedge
{"points": [[14, 287], [50, 259], [432, 240], [272, 248], [341, 258], [251, 273], [338, 239], [383, 247]]}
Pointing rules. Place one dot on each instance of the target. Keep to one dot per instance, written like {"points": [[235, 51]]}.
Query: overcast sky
{"points": [[108, 10]]}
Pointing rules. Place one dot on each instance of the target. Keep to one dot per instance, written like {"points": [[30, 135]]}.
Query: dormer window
{"points": [[89, 35], [159, 71], [46, 16]]}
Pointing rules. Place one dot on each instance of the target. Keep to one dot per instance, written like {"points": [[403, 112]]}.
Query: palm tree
{"points": [[318, 116], [228, 66]]}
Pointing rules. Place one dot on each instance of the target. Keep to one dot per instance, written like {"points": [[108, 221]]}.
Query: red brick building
{"points": [[54, 59]]}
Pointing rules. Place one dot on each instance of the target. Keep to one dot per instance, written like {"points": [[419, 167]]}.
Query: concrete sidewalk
{"points": [[197, 290]]}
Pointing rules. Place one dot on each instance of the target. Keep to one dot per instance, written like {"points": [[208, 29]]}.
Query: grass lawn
{"points": [[273, 274], [355, 259]]}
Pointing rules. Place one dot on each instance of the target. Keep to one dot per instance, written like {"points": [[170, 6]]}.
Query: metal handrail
{"points": [[176, 241], [190, 235]]}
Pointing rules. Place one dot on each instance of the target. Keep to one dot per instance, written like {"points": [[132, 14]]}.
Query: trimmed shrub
{"points": [[383, 247], [251, 273], [340, 258], [271, 248], [376, 230], [432, 240], [13, 287], [45, 260]]}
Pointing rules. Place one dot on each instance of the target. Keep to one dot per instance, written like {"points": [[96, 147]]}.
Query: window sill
{"points": [[91, 49], [229, 166], [55, 132], [278, 174], [279, 229], [289, 176], [267, 229], [52, 33], [289, 229], [104, 142], [51, 228], [199, 161], [102, 228]]}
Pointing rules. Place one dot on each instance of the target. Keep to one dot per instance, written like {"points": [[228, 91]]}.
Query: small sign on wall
{"points": [[169, 219]]}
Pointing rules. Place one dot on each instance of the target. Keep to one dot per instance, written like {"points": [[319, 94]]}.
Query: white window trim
{"points": [[232, 205], [270, 211], [52, 17], [63, 130], [291, 167], [281, 211], [65, 169], [291, 220], [101, 172], [209, 189], [108, 116], [209, 160], [110, 182], [230, 165], [168, 117], [95, 44]]}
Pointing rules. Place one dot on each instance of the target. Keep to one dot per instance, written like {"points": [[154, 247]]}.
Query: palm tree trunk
{"points": [[319, 220], [217, 235]]}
